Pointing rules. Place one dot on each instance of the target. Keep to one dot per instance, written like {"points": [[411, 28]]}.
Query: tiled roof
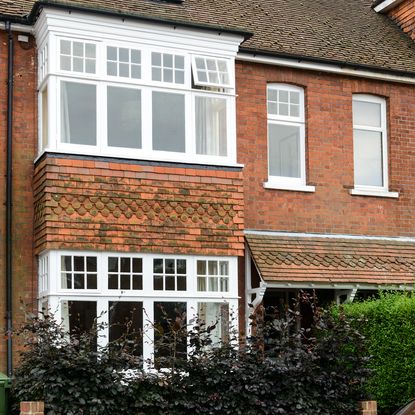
{"points": [[332, 260], [329, 30]]}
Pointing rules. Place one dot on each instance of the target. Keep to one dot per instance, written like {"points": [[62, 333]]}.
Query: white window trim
{"points": [[375, 191], [54, 294], [282, 182], [54, 25]]}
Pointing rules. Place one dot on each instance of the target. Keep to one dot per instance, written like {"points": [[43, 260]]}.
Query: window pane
{"points": [[284, 150], [367, 113], [126, 318], [168, 122], [124, 117], [78, 113], [79, 316], [211, 126], [368, 164], [169, 321], [215, 316]]}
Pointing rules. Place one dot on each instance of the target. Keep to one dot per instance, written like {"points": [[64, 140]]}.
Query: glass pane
{"points": [[211, 126], [179, 77], [156, 59], [212, 268], [113, 264], [201, 283], [124, 117], [125, 282], [66, 47], [366, 113], [124, 55], [224, 284], [124, 70], [181, 266], [66, 63], [284, 150], [167, 75], [89, 66], [168, 122], [179, 62], [201, 267], [283, 109], [66, 263], [125, 265], [137, 265], [137, 282], [158, 282], [78, 64], [80, 316], [294, 110], [79, 281], [158, 266], [78, 49], [283, 96], [170, 283], [90, 50], [112, 53], [169, 266], [135, 71], [113, 282], [368, 163], [79, 263], [200, 63], [91, 282], [135, 56], [169, 318], [126, 319], [294, 97], [224, 267], [91, 263], [181, 283], [167, 60], [78, 113], [213, 284], [216, 317], [156, 74], [66, 281], [202, 76], [112, 68]]}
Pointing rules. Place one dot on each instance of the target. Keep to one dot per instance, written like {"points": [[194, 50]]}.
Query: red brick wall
{"points": [[97, 205], [329, 142], [404, 16], [24, 150]]}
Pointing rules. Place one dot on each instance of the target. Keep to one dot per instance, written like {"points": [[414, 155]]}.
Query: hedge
{"points": [[389, 326]]}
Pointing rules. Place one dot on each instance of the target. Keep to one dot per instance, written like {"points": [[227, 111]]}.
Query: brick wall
{"points": [[32, 408], [120, 206], [24, 148], [404, 16], [329, 143]]}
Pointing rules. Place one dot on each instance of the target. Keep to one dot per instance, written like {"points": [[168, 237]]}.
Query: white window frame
{"points": [[160, 40], [50, 290], [365, 190], [282, 182]]}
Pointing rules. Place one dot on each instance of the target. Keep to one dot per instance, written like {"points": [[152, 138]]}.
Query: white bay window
{"points": [[100, 95], [144, 290]]}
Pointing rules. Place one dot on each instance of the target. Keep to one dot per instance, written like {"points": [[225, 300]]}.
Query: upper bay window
{"points": [[370, 146], [286, 138], [136, 99]]}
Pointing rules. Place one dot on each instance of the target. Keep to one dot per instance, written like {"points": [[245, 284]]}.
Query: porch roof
{"points": [[328, 260]]}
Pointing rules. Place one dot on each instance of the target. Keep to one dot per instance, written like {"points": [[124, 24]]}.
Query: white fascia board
{"points": [[330, 236], [386, 5], [323, 67], [92, 26]]}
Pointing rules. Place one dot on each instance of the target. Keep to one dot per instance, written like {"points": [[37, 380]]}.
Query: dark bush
{"points": [[389, 325], [280, 370]]}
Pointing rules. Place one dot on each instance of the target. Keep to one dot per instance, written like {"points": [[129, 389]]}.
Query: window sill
{"points": [[374, 193], [290, 187]]}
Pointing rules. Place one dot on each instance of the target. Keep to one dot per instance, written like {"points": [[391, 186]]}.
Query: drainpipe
{"points": [[9, 186]]}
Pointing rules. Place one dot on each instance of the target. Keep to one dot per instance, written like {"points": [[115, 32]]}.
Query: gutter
{"points": [[9, 188]]}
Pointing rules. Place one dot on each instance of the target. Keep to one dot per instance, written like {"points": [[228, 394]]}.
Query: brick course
{"points": [[96, 205], [329, 149]]}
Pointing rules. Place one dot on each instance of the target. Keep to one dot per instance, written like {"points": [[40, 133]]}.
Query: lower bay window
{"points": [[144, 290]]}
